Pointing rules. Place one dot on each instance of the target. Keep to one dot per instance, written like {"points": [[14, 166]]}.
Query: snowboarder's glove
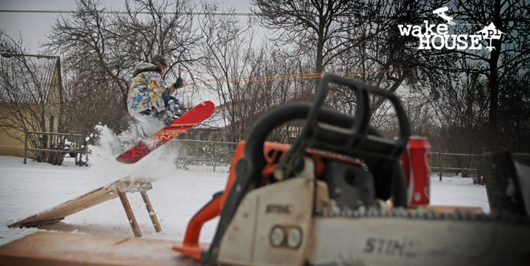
{"points": [[178, 83]]}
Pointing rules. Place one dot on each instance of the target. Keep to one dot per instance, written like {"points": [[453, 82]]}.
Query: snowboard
{"points": [[188, 120]]}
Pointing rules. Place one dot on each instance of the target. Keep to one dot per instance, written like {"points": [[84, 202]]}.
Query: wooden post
{"points": [[25, 145], [151, 211], [214, 155], [440, 164], [130, 214]]}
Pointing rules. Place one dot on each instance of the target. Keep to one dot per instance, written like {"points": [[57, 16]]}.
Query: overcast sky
{"points": [[33, 27]]}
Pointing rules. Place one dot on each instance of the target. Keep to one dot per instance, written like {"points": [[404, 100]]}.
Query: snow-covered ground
{"points": [[176, 196]]}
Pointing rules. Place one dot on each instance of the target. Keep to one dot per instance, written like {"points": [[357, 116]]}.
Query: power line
{"points": [[241, 14], [296, 76], [59, 12]]}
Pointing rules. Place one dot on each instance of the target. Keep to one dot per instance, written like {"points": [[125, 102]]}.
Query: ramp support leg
{"points": [[130, 214], [151, 211]]}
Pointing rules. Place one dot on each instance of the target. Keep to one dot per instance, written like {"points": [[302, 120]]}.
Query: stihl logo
{"points": [[391, 247], [277, 208]]}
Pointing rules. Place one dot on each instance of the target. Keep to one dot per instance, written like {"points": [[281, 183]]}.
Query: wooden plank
{"points": [[61, 249], [43, 222], [78, 204], [151, 212], [130, 214]]}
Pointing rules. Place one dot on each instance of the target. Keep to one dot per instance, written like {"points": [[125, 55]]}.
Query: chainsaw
{"points": [[338, 196]]}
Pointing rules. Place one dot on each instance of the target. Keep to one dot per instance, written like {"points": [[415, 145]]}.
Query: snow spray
{"points": [[416, 163], [105, 168]]}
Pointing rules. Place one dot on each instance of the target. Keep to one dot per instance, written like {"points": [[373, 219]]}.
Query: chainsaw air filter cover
{"points": [[350, 186]]}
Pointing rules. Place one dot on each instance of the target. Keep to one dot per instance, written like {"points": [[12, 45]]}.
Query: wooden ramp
{"points": [[95, 197], [61, 249]]}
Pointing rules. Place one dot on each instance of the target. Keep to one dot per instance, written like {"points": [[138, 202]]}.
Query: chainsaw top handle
{"points": [[351, 139], [330, 130]]}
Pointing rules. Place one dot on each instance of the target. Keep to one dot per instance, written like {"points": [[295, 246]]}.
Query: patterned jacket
{"points": [[146, 89]]}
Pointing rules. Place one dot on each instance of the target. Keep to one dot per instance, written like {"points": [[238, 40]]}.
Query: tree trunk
{"points": [[494, 78]]}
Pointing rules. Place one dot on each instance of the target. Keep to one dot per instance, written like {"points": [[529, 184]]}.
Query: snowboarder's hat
{"points": [[158, 59]]}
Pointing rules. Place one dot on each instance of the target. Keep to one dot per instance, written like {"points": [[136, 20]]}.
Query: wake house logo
{"points": [[437, 36]]}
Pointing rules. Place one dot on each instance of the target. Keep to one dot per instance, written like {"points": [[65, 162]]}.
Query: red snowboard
{"points": [[190, 119]]}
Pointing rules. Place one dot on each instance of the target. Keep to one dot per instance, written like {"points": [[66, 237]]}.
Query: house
{"points": [[30, 100]]}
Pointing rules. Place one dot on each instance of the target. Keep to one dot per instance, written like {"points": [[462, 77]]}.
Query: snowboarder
{"points": [[150, 98]]}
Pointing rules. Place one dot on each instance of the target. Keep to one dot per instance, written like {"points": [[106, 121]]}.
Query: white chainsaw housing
{"points": [[277, 225]]}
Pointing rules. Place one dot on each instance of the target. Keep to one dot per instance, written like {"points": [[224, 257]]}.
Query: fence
{"points": [[205, 153], [54, 146], [466, 165], [219, 154]]}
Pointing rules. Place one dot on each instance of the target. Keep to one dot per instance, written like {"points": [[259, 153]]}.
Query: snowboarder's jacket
{"points": [[146, 89]]}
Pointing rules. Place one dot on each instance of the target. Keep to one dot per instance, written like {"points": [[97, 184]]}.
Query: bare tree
{"points": [[317, 27], [102, 48], [249, 80], [463, 113], [360, 39], [485, 92], [228, 59], [511, 51]]}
